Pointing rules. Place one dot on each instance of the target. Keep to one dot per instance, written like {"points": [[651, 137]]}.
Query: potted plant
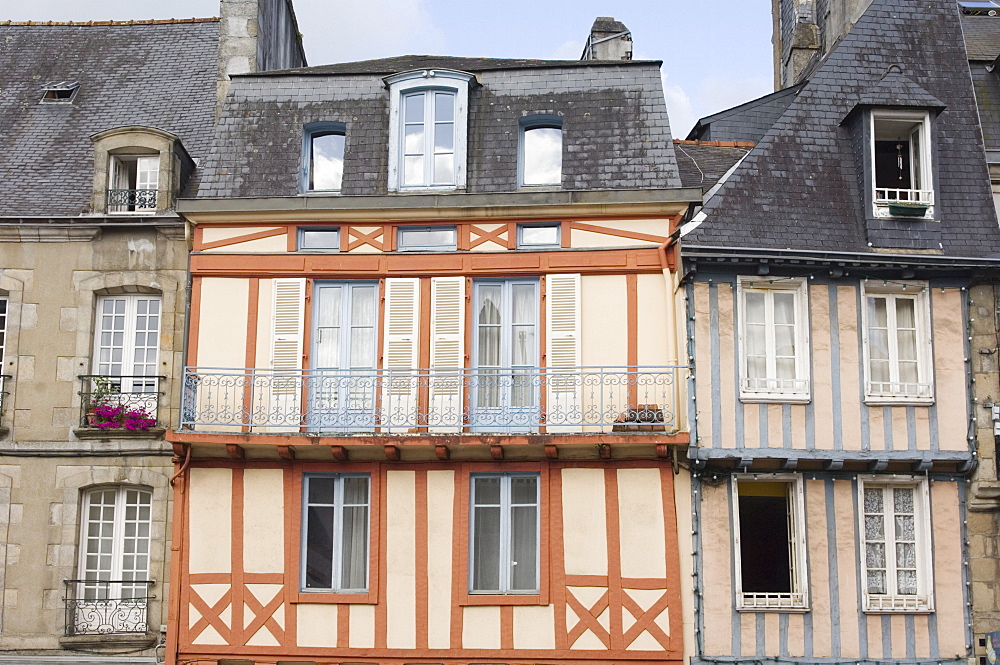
{"points": [[100, 405]]}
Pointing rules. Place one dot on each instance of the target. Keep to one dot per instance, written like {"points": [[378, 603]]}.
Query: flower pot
{"points": [[907, 209]]}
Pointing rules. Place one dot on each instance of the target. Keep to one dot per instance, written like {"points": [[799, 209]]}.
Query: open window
{"points": [[133, 181], [323, 156], [138, 170], [769, 524], [540, 152], [901, 164]]}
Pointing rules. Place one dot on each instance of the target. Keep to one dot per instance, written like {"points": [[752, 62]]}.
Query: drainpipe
{"points": [[669, 277]]}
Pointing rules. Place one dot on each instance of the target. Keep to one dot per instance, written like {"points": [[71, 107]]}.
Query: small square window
{"points": [[770, 531], [530, 236], [426, 239], [319, 240]]}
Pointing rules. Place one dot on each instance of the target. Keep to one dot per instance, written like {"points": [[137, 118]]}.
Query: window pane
{"points": [[754, 307], [444, 107], [540, 235], [444, 169], [523, 548], [524, 489], [320, 239], [327, 165], [542, 156], [444, 137], [784, 308], [486, 549], [875, 553], [354, 557], [414, 108], [319, 547], [413, 170], [876, 581], [413, 141], [440, 237], [486, 490]]}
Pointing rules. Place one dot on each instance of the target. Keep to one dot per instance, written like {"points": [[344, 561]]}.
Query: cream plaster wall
{"points": [[591, 239], [584, 522], [210, 500], [222, 322], [654, 336], [214, 234], [316, 625], [481, 627], [400, 581], [272, 245], [263, 509], [603, 321], [440, 532], [641, 531]]}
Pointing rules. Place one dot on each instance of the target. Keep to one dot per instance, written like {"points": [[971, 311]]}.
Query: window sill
{"points": [[898, 605], [97, 433], [500, 599], [110, 641], [328, 598], [902, 400], [769, 398], [772, 602]]}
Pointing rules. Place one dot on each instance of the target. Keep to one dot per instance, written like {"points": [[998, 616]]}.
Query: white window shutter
{"points": [[562, 312], [286, 333], [447, 353], [402, 329]]}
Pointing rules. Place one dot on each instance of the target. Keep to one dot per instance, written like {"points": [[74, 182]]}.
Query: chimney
{"points": [[255, 36], [609, 40]]}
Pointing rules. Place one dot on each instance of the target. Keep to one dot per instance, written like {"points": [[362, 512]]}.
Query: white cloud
{"points": [[347, 31], [717, 93], [680, 110], [570, 50]]}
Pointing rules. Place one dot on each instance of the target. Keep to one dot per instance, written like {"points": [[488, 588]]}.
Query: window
{"points": [[60, 92], [773, 320], [127, 342], [427, 143], [901, 164], [426, 238], [505, 351], [895, 548], [114, 543], [897, 343], [342, 382], [3, 333], [335, 538], [323, 156], [770, 543], [132, 183], [319, 240], [538, 236], [505, 534], [540, 156]]}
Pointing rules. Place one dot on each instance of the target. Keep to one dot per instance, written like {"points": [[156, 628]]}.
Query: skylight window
{"points": [[980, 7], [59, 92]]}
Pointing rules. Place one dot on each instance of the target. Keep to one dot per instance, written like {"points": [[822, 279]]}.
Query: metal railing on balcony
{"points": [[915, 196], [131, 200], [527, 399], [120, 402], [105, 607]]}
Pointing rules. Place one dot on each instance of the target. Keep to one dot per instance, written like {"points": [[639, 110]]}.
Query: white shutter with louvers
{"points": [[447, 353], [402, 322], [286, 352], [562, 352]]}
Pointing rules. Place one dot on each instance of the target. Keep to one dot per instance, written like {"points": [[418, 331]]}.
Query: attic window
{"points": [[60, 92], [901, 164]]}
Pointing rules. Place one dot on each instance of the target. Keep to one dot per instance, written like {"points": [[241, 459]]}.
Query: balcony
{"points": [[131, 200], [903, 202], [486, 401], [120, 405], [107, 607]]}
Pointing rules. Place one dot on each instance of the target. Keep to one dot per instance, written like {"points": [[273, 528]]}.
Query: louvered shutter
{"points": [[402, 320], [286, 336], [562, 353], [447, 352]]}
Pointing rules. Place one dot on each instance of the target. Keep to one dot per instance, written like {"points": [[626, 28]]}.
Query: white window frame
{"points": [[527, 124], [521, 244], [312, 132], [402, 231], [923, 600], [147, 173], [770, 388], [131, 385], [118, 551], [427, 80], [303, 231], [882, 197], [798, 599], [505, 534], [336, 556], [919, 292]]}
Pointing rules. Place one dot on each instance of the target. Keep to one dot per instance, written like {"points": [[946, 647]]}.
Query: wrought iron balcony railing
{"points": [[524, 399], [131, 200], [105, 607], [5, 380], [119, 402]]}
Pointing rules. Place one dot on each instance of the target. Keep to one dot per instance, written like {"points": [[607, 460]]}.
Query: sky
{"points": [[715, 55]]}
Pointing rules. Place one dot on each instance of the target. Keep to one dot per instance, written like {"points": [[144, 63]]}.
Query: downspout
{"points": [[674, 355]]}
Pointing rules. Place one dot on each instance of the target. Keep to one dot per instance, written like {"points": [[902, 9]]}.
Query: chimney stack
{"points": [[609, 40]]}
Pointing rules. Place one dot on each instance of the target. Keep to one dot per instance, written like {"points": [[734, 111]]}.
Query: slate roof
{"points": [[801, 187], [982, 36], [703, 163], [615, 129], [748, 121], [159, 74], [404, 63]]}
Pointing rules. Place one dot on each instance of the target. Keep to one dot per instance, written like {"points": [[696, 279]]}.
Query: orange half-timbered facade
{"points": [[433, 418]]}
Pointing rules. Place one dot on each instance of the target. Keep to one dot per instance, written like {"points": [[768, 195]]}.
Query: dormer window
{"points": [[132, 183], [323, 156], [427, 142], [901, 164], [540, 154], [60, 92]]}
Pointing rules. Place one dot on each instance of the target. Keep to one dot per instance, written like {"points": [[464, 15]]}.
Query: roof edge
{"points": [[167, 21], [316, 70]]}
